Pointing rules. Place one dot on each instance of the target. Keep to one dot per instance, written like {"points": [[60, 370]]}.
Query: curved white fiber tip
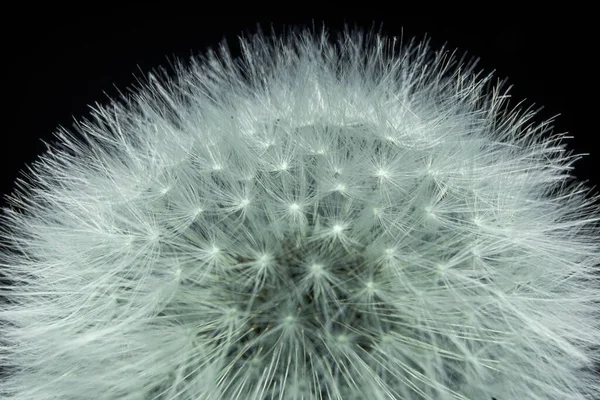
{"points": [[349, 218]]}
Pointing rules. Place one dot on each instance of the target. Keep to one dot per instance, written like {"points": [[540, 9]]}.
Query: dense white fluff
{"points": [[319, 219]]}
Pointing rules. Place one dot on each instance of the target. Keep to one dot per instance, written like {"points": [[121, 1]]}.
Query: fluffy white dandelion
{"points": [[318, 219]]}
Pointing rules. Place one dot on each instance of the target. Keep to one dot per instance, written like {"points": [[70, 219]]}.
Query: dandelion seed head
{"points": [[317, 219]]}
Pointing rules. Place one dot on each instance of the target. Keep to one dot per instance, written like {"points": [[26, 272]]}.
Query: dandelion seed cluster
{"points": [[317, 219]]}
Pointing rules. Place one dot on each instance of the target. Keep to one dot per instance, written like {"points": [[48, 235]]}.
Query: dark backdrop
{"points": [[61, 61], [58, 62]]}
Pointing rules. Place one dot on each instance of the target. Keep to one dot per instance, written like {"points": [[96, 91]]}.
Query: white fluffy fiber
{"points": [[319, 219]]}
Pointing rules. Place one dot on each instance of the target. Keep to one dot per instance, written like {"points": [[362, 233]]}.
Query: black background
{"points": [[59, 62]]}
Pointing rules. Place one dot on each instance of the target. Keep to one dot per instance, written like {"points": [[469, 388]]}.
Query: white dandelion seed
{"points": [[319, 219]]}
